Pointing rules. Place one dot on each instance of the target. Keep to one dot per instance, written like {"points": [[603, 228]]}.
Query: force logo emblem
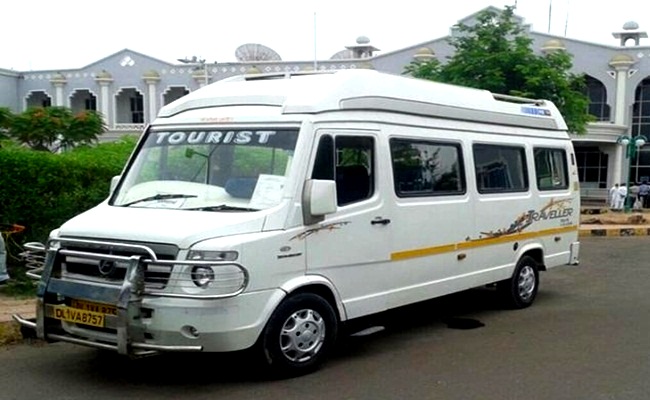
{"points": [[106, 268]]}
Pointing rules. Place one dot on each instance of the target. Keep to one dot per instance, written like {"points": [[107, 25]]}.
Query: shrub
{"points": [[54, 128], [40, 190]]}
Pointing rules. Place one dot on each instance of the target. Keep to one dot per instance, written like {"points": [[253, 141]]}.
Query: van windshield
{"points": [[209, 169]]}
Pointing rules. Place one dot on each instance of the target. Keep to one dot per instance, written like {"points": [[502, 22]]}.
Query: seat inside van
{"points": [[352, 183]]}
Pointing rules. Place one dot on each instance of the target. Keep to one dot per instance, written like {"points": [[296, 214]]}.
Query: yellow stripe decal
{"points": [[448, 248]]}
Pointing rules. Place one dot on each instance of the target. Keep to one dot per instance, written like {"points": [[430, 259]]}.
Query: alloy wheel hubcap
{"points": [[302, 335], [526, 283]]}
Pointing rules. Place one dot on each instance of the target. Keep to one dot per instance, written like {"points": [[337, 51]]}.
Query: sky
{"points": [[70, 34]]}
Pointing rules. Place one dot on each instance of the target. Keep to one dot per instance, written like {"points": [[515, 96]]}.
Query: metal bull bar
{"points": [[127, 297]]}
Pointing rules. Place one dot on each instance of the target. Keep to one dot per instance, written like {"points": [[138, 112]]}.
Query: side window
{"points": [[551, 170], [349, 160], [500, 168], [423, 168], [324, 163]]}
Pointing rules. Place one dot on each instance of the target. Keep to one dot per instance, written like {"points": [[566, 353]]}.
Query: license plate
{"points": [[79, 316], [93, 307], [84, 312]]}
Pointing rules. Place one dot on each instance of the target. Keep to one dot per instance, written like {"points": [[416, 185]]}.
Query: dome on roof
{"points": [[630, 26], [58, 78], [151, 74], [363, 40], [424, 54], [621, 60], [621, 57], [253, 70], [200, 74], [103, 74], [553, 45]]}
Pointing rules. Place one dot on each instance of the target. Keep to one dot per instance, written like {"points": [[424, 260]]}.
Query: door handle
{"points": [[380, 221]]}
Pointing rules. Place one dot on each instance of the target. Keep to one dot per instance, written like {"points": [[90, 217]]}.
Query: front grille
{"points": [[113, 272]]}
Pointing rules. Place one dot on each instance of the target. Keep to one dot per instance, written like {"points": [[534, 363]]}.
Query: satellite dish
{"points": [[343, 55], [255, 52]]}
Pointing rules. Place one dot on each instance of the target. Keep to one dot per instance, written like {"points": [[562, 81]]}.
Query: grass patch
{"points": [[20, 285], [10, 333]]}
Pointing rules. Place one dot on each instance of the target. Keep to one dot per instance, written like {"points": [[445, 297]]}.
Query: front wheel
{"points": [[299, 335], [521, 289]]}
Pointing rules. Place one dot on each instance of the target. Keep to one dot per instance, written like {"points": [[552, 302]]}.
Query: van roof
{"points": [[317, 92]]}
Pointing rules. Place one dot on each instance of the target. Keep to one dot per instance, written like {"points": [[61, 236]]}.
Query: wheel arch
{"points": [[536, 252], [318, 285]]}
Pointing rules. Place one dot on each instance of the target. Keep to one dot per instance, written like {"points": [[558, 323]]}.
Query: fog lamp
{"points": [[202, 275]]}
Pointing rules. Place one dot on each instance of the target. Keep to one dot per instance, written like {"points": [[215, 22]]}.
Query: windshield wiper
{"points": [[222, 207], [159, 196]]}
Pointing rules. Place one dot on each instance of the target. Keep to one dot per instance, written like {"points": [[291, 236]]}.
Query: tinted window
{"points": [[551, 169], [500, 168], [422, 168], [349, 160], [324, 163]]}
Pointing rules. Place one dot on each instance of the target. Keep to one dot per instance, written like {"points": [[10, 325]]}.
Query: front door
{"points": [[352, 246]]}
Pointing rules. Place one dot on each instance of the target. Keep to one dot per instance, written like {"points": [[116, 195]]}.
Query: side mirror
{"points": [[318, 200], [114, 181]]}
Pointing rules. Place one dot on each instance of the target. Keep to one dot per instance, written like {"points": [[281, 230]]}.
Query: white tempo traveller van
{"points": [[265, 211]]}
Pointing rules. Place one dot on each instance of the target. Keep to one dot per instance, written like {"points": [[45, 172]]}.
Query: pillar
{"points": [[151, 78], [104, 80], [621, 64], [58, 81]]}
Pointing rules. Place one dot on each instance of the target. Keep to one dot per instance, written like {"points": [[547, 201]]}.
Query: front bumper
{"points": [[142, 320], [168, 325]]}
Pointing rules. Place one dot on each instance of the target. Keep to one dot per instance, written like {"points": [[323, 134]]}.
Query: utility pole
{"points": [[550, 7], [315, 54]]}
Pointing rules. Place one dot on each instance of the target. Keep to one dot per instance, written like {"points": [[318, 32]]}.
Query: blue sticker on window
{"points": [[536, 111]]}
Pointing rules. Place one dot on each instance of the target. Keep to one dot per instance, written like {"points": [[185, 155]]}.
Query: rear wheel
{"points": [[299, 335], [521, 289]]}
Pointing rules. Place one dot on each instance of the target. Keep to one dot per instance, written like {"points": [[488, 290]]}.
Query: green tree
{"points": [[495, 54], [53, 128], [6, 117]]}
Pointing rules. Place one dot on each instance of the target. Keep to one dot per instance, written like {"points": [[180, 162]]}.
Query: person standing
{"points": [[613, 196], [644, 192], [4, 275], [622, 196]]}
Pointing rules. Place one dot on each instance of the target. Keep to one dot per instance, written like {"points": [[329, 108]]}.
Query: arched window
{"points": [[129, 103], [38, 99], [641, 126], [592, 167], [174, 93], [83, 99], [597, 98], [641, 110]]}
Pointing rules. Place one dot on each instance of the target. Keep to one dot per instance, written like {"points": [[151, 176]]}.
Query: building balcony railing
{"points": [[124, 127]]}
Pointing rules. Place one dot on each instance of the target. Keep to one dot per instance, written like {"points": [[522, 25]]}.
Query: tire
{"points": [[299, 335], [521, 289]]}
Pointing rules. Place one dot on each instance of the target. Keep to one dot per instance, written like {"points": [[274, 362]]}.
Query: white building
{"points": [[129, 88]]}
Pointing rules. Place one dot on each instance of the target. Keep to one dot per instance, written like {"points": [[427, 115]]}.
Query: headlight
{"points": [[215, 273], [202, 276], [201, 255]]}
